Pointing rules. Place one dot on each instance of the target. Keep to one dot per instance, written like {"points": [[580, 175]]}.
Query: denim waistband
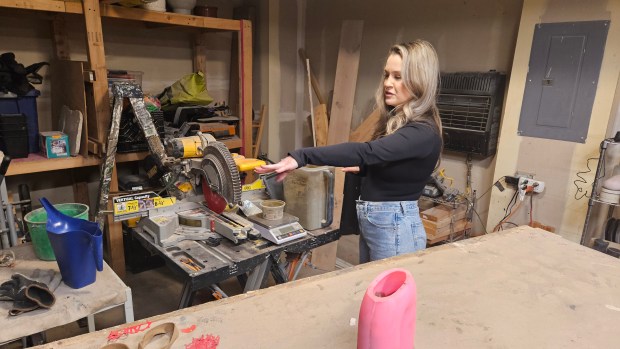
{"points": [[387, 206]]}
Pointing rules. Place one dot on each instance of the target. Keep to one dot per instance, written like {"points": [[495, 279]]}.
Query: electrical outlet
{"points": [[529, 184], [539, 186]]}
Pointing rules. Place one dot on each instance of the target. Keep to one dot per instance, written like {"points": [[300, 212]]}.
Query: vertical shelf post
{"points": [[245, 86], [96, 57]]}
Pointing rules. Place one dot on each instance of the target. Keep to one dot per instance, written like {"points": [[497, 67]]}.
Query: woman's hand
{"points": [[283, 167], [352, 169]]}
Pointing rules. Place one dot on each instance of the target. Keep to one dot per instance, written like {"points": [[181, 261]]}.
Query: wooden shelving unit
{"points": [[97, 60], [98, 119]]}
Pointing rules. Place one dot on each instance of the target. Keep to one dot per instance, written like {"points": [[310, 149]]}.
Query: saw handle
{"points": [[329, 204], [246, 164]]}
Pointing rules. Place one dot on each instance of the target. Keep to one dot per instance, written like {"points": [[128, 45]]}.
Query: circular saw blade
{"points": [[221, 171]]}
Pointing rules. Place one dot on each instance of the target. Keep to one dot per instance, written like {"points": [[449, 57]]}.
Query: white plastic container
{"points": [[157, 5], [309, 195]]}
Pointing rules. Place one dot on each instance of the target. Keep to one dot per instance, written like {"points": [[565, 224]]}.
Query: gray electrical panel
{"points": [[561, 82]]}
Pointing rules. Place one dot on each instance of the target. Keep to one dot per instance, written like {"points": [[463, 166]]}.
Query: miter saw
{"points": [[204, 171], [200, 175]]}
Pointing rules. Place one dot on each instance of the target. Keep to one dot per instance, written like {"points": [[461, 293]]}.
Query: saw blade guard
{"points": [[221, 177]]}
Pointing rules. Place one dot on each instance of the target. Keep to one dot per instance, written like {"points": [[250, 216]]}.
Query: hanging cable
{"points": [[471, 204], [491, 187], [531, 209], [442, 174], [508, 212], [468, 163], [516, 208]]}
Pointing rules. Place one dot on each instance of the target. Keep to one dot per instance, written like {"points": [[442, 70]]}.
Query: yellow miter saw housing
{"points": [[202, 156]]}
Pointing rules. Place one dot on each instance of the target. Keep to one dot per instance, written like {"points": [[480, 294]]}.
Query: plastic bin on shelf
{"points": [[14, 135], [27, 105]]}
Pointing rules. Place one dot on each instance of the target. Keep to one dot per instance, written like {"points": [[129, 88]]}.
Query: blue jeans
{"points": [[389, 228]]}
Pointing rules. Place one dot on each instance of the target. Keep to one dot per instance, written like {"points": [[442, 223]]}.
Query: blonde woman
{"points": [[398, 162]]}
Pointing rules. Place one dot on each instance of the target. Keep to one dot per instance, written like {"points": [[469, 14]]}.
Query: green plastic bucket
{"points": [[36, 221]]}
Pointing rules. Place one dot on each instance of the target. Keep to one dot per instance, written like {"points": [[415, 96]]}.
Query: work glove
{"points": [[26, 294]]}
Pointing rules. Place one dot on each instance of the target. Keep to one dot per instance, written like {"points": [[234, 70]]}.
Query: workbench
{"points": [[520, 288], [250, 261], [107, 292]]}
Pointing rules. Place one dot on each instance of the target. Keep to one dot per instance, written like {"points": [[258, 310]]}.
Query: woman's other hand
{"points": [[352, 169], [283, 167]]}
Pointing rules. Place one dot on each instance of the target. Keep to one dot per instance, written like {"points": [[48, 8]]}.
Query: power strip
{"points": [[529, 185]]}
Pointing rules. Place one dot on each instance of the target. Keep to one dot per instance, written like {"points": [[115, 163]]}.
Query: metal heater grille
{"points": [[470, 108], [464, 112]]}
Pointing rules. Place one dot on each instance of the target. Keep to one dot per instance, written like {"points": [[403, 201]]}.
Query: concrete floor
{"points": [[157, 291]]}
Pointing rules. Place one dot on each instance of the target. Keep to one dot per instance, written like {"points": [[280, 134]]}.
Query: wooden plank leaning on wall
{"points": [[340, 122]]}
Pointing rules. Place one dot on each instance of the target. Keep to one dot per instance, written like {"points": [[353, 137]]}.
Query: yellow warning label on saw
{"points": [[161, 202], [126, 207], [129, 206]]}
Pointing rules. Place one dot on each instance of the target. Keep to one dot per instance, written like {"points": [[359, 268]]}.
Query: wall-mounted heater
{"points": [[470, 106]]}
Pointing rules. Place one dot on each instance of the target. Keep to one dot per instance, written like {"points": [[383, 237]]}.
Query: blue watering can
{"points": [[77, 244]]}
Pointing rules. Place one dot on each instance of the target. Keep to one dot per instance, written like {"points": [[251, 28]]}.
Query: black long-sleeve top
{"points": [[395, 167]]}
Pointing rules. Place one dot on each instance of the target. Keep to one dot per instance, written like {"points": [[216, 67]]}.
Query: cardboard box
{"points": [[54, 144]]}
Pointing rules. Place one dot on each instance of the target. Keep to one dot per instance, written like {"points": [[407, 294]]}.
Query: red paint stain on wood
{"points": [[204, 342], [116, 334], [189, 329]]}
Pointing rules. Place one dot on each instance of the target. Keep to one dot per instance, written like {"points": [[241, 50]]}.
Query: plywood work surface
{"points": [[520, 288]]}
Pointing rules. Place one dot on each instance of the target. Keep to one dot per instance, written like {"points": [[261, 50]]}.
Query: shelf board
{"points": [[138, 14], [133, 14], [36, 163], [39, 5]]}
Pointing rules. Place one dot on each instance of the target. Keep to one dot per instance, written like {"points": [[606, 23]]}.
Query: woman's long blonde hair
{"points": [[420, 74]]}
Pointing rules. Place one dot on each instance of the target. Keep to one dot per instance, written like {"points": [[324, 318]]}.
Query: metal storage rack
{"points": [[594, 199]]}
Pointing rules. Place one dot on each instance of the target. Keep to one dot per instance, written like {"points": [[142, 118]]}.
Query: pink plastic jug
{"points": [[387, 314]]}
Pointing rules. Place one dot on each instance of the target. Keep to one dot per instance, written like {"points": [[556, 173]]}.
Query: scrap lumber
{"points": [[312, 121], [345, 82], [259, 133], [340, 122], [321, 124], [364, 132]]}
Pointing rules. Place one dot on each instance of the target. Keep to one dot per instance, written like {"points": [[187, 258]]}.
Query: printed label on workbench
{"points": [[135, 205]]}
